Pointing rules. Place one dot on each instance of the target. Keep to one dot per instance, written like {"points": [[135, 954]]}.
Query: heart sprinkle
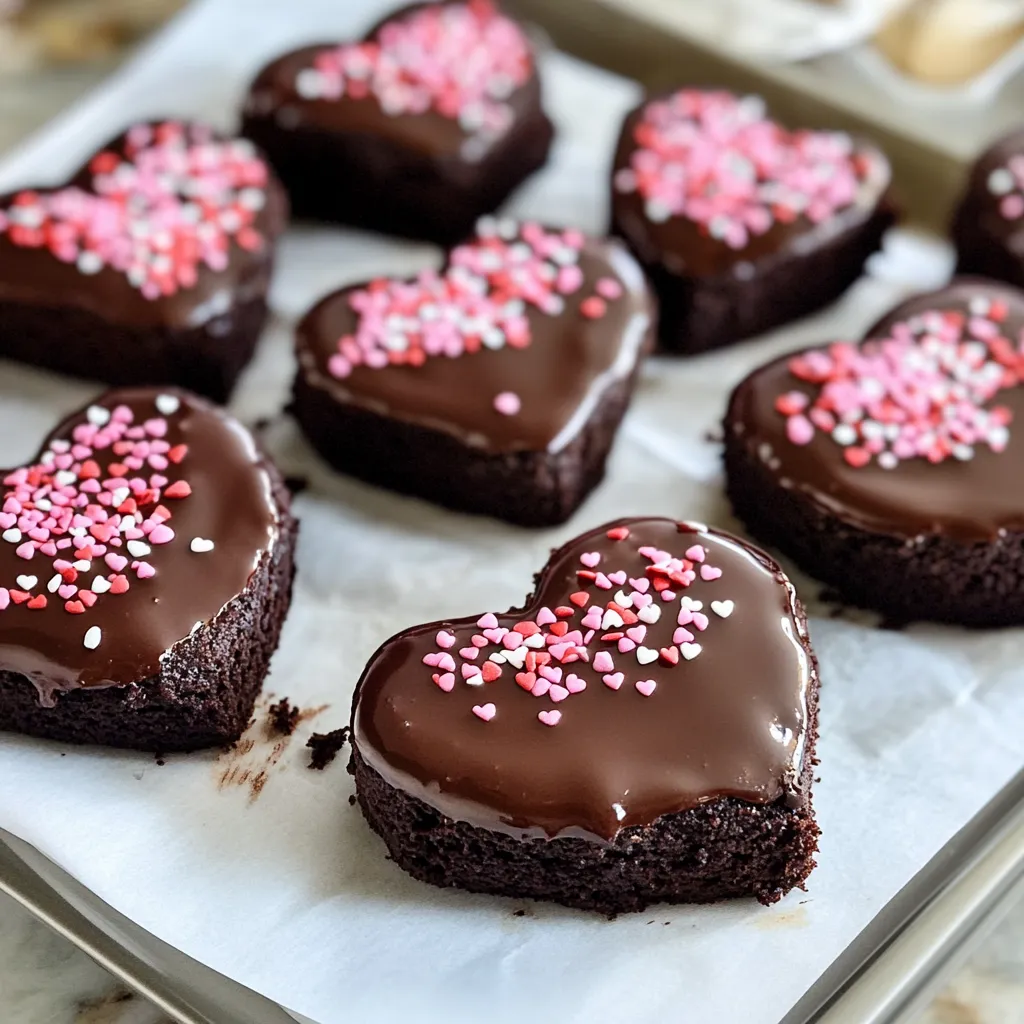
{"points": [[1007, 183], [200, 545], [462, 62], [173, 202], [921, 392], [93, 636], [508, 403], [478, 303], [550, 654], [88, 498], [717, 160]]}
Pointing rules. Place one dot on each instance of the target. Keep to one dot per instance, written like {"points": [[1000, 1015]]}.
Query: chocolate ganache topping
{"points": [[446, 80], [658, 666], [705, 184], [511, 347], [143, 516], [913, 432], [169, 225]]}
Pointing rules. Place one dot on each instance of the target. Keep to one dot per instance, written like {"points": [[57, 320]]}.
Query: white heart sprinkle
{"points": [[651, 613], [167, 404], [723, 608], [690, 604], [100, 585], [474, 680], [645, 655], [690, 651], [611, 618], [54, 583], [65, 477], [82, 565], [535, 641], [200, 545], [97, 415], [138, 549], [498, 657], [43, 504], [27, 582], [93, 636], [516, 657], [623, 599], [13, 535]]}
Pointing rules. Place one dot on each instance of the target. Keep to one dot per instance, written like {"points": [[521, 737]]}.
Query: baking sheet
{"points": [[261, 868]]}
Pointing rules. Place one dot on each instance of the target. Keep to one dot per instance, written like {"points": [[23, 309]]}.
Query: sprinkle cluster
{"points": [[173, 201], [87, 516], [462, 61], [480, 301], [604, 625], [718, 161], [918, 393], [1008, 184]]}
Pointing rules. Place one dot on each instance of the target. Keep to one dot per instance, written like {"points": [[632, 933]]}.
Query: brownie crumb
{"points": [[160, 762], [296, 484], [351, 799], [283, 718], [325, 747]]}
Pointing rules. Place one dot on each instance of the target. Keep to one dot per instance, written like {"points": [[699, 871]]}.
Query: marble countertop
{"points": [[44, 980]]}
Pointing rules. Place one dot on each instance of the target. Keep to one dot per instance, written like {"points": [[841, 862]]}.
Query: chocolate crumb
{"points": [[160, 762], [351, 799], [282, 717], [519, 913], [325, 747], [296, 484]]}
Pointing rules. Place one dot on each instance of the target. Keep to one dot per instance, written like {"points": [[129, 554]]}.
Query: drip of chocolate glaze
{"points": [[560, 376], [232, 503], [731, 722], [969, 501]]}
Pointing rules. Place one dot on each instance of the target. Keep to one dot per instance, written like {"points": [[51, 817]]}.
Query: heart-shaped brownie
{"points": [[740, 223], [150, 266], [889, 468], [418, 130], [145, 571], [988, 228], [495, 385], [649, 715]]}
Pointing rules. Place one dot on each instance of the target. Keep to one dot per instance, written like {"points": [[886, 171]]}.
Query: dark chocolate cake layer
{"points": [[145, 572], [641, 731]]}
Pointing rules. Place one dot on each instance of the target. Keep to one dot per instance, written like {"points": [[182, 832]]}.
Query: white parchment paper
{"points": [[288, 891]]}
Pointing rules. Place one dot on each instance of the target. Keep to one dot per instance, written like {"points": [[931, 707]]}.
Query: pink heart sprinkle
{"points": [[574, 684], [447, 662], [468, 671], [557, 693], [695, 553], [432, 659], [668, 595], [7, 520], [67, 591], [552, 717], [590, 558], [545, 617], [709, 572], [626, 645], [485, 711], [116, 562], [508, 403], [641, 600], [446, 681], [646, 686], [681, 636], [541, 686], [479, 641], [488, 621], [553, 675], [700, 621], [603, 662], [512, 640], [613, 681], [642, 584], [592, 620], [469, 653], [637, 633], [618, 578], [494, 635], [161, 534], [445, 639]]}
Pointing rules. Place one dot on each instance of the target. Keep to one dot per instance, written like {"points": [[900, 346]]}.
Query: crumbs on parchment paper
{"points": [[325, 747]]}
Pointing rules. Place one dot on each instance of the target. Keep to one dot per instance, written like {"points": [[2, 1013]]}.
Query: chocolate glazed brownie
{"points": [[151, 266], [418, 130], [146, 566], [641, 731], [495, 386], [988, 228], [890, 469], [740, 224]]}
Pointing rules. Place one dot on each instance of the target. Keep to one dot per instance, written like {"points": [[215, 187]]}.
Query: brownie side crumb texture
{"points": [[699, 314], [325, 747], [528, 488], [206, 359], [207, 689], [373, 182], [932, 578]]}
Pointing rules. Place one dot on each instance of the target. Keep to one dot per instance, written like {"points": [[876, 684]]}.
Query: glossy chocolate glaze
{"points": [[971, 501], [430, 135], [685, 250], [34, 276], [560, 376], [731, 722], [232, 504]]}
